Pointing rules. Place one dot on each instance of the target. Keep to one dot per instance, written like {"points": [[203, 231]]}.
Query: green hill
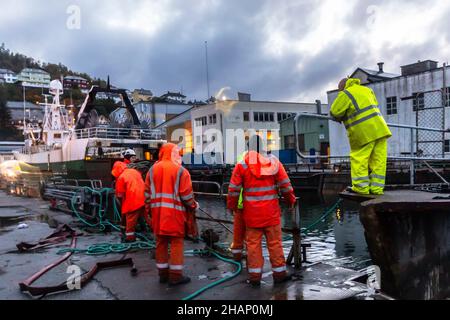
{"points": [[17, 61]]}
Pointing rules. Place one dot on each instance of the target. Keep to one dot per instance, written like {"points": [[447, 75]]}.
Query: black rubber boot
{"points": [[163, 279], [282, 280], [254, 284], [181, 281]]}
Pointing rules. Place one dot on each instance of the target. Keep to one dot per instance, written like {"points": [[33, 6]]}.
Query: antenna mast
{"points": [[207, 68]]}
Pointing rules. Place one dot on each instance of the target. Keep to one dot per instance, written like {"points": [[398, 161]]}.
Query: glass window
{"points": [[213, 119], [391, 105], [200, 122], [418, 101], [246, 116], [264, 116], [447, 146], [447, 97]]}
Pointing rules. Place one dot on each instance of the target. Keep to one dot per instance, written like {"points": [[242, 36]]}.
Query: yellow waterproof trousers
{"points": [[368, 165]]}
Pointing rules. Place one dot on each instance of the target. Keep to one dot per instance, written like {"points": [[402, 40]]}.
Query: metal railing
{"points": [[209, 183], [412, 158], [39, 148], [118, 133]]}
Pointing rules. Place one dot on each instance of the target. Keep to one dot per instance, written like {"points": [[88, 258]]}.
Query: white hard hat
{"points": [[129, 152]]}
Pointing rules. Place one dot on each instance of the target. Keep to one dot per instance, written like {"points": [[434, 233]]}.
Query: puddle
{"points": [[13, 215]]}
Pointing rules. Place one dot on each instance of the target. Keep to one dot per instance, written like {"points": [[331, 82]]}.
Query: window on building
{"points": [[198, 140], [391, 105], [264, 116], [289, 142], [200, 122], [447, 97], [418, 101], [283, 116], [212, 119], [447, 146], [301, 142], [246, 116]]}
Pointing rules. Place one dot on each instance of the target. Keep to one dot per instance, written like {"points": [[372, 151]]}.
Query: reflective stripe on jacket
{"points": [[261, 180], [357, 108], [169, 194]]}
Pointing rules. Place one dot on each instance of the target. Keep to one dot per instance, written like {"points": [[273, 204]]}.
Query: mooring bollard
{"points": [[296, 250]]}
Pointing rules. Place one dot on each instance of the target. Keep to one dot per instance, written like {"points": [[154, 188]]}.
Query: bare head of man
{"points": [[342, 84]]}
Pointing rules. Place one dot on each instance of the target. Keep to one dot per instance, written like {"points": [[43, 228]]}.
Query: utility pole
{"points": [[23, 91], [445, 100], [207, 69]]}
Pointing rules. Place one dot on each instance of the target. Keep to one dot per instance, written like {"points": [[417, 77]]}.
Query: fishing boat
{"points": [[86, 146]]}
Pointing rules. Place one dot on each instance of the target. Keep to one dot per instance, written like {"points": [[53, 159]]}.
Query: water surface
{"points": [[337, 241]]}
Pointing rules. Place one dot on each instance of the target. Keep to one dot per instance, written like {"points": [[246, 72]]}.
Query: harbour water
{"points": [[338, 239]]}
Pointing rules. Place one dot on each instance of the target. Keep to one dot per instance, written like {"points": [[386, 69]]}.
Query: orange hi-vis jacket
{"points": [[261, 178], [169, 193], [130, 187]]}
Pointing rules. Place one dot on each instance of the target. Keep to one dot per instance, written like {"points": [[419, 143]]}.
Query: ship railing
{"points": [[205, 184], [39, 148], [118, 133]]}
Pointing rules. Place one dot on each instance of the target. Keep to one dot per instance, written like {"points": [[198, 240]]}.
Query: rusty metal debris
{"points": [[26, 287], [61, 234]]}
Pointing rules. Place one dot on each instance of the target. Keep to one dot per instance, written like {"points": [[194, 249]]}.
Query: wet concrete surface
{"points": [[315, 281]]}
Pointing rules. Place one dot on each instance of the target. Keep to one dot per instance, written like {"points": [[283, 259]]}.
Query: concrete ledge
{"points": [[408, 235]]}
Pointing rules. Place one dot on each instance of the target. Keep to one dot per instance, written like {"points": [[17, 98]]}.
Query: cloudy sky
{"points": [[289, 50]]}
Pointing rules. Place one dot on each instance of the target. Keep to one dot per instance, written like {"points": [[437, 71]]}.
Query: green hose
{"points": [[215, 283], [317, 221], [106, 248]]}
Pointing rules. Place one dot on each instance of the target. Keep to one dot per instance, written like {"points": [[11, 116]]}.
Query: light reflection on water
{"points": [[340, 243]]}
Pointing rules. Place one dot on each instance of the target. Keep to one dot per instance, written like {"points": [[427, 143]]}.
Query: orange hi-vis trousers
{"points": [[255, 259], [170, 267], [132, 220], [238, 236]]}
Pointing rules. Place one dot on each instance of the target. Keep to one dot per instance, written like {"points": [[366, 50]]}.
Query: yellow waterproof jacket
{"points": [[357, 108], [241, 196]]}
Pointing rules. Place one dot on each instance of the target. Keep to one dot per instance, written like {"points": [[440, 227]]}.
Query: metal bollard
{"points": [[296, 250]]}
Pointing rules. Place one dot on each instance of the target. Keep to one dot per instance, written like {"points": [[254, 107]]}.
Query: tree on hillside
{"points": [[8, 131]]}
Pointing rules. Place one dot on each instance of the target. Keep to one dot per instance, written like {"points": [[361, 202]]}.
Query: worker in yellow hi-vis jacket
{"points": [[356, 107]]}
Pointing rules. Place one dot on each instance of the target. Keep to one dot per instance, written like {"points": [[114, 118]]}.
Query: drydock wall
{"points": [[408, 235]]}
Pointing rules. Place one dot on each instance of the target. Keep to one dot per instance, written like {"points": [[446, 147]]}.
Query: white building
{"points": [[417, 98], [7, 148], [157, 110], [34, 78], [8, 76], [235, 119]]}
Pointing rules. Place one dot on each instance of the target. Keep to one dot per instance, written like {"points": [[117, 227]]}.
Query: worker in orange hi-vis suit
{"points": [[130, 190], [237, 246], [170, 199], [261, 176], [129, 156]]}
